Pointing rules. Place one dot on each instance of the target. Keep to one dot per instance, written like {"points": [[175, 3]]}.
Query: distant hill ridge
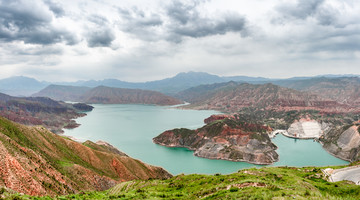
{"points": [[107, 95], [232, 96]]}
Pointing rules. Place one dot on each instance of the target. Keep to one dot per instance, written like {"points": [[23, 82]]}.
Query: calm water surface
{"points": [[131, 128]]}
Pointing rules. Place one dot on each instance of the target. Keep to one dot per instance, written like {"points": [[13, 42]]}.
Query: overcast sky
{"points": [[142, 40]]}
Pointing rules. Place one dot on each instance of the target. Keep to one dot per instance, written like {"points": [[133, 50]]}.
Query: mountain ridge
{"points": [[172, 85]]}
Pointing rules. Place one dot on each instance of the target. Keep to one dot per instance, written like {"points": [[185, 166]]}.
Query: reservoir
{"points": [[131, 128]]}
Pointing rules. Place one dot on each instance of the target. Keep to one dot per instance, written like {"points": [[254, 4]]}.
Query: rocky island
{"points": [[226, 139]]}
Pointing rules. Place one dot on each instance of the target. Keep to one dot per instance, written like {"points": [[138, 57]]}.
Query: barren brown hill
{"points": [[108, 95], [62, 92], [37, 162], [232, 96]]}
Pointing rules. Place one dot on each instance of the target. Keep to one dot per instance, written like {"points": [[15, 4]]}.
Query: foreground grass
{"points": [[263, 183]]}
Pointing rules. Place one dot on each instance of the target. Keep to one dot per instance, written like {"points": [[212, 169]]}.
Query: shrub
{"points": [[234, 189]]}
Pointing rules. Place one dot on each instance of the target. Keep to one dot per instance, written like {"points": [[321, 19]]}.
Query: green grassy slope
{"points": [[263, 183]]}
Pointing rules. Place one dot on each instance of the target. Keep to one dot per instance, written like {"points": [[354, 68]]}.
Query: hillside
{"points": [[227, 139], [343, 90], [44, 111], [107, 95], [264, 183], [231, 97], [62, 92], [35, 161]]}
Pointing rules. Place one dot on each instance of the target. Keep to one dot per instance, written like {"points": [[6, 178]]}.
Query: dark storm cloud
{"points": [[180, 20], [21, 21]]}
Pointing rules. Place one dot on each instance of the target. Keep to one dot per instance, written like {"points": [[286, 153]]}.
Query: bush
{"points": [[234, 189]]}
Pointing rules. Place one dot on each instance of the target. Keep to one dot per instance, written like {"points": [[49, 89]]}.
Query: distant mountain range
{"points": [[21, 86], [24, 86]]}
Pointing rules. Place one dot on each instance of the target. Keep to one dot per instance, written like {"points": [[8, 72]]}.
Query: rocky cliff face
{"points": [[225, 139], [344, 142], [52, 114], [35, 161], [308, 128]]}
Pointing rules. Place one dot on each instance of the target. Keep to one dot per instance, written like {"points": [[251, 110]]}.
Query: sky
{"points": [[144, 40]]}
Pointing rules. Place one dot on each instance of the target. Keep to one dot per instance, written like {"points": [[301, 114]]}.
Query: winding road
{"points": [[349, 173]]}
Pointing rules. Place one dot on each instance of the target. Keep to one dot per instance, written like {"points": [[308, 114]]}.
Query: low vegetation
{"points": [[263, 183]]}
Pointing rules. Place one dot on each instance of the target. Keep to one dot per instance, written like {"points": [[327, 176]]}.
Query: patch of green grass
{"points": [[65, 163], [263, 183]]}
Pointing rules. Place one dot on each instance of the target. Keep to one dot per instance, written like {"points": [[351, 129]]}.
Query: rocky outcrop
{"points": [[308, 128], [343, 142], [225, 139], [35, 161], [52, 114], [218, 117]]}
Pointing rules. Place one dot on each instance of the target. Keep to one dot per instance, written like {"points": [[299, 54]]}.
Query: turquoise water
{"points": [[131, 128]]}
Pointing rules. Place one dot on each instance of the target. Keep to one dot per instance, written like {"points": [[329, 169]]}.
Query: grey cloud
{"points": [[188, 22], [99, 20], [100, 38], [142, 25], [301, 10], [181, 12], [180, 19], [100, 34], [32, 24], [55, 8], [135, 18], [204, 27], [50, 50]]}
